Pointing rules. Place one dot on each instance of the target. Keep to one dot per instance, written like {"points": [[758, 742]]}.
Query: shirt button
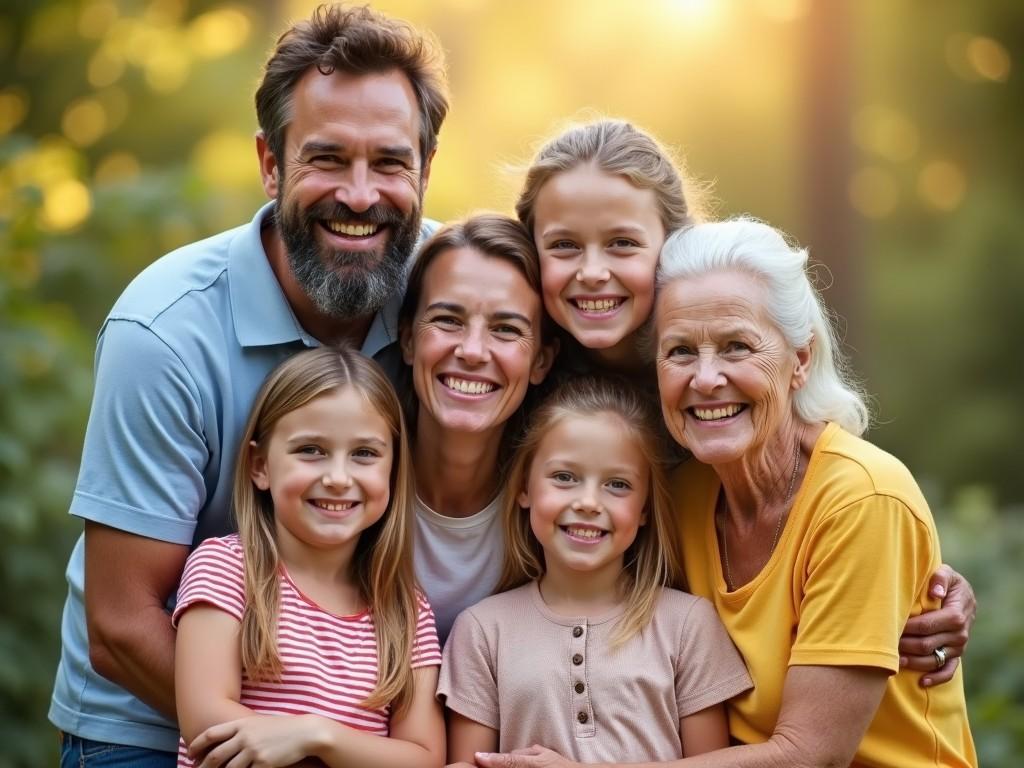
{"points": [[582, 717], [579, 687], [577, 659], [577, 631]]}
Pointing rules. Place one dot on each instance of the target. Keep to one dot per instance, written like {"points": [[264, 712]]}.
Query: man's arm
{"points": [[128, 579], [948, 627]]}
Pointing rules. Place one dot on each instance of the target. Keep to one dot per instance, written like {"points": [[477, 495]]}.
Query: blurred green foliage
{"points": [[125, 130]]}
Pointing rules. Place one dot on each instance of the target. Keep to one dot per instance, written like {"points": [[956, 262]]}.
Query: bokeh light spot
{"points": [[66, 204], [104, 68], [13, 108], [226, 160], [873, 192], [167, 65], [95, 18], [988, 58], [219, 32], [116, 168], [885, 132], [84, 122], [942, 185]]}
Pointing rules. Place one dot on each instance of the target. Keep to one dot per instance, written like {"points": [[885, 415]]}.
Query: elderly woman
{"points": [[472, 337], [814, 545]]}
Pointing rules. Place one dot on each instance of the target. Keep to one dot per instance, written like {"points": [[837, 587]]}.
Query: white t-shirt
{"points": [[457, 559]]}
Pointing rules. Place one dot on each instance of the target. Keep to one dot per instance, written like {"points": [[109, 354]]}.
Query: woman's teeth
{"points": [[467, 387], [713, 414]]}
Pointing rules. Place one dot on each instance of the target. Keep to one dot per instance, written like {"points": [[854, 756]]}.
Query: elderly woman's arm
{"points": [[814, 700]]}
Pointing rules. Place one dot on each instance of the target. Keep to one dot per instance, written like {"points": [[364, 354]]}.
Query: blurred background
{"points": [[883, 134]]}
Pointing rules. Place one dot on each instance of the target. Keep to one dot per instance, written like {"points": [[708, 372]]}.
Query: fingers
{"points": [[947, 620], [940, 581], [925, 645], [942, 675]]}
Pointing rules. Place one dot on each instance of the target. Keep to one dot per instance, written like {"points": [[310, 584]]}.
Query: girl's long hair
{"points": [[652, 560], [382, 562]]}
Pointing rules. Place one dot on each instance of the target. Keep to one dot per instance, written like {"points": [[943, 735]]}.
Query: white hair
{"points": [[747, 245]]}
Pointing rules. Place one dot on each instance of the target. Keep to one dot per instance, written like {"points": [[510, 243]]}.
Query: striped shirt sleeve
{"points": [[214, 575], [426, 650]]}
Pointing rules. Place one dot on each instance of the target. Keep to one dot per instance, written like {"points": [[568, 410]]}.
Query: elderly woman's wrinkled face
{"points": [[725, 372], [474, 345]]}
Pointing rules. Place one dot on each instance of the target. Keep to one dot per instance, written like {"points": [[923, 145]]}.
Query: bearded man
{"points": [[349, 109]]}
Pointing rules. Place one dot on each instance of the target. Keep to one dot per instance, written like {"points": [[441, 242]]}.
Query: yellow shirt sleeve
{"points": [[865, 571]]}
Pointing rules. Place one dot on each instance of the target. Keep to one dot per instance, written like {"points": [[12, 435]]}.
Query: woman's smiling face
{"points": [[474, 342], [725, 372]]}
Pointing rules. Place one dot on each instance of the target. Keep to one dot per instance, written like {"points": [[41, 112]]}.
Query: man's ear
{"points": [[425, 173], [405, 343], [258, 467], [804, 355], [544, 360], [268, 166]]}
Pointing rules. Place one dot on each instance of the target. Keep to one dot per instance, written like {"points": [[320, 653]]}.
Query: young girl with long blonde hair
{"points": [[303, 635], [589, 652]]}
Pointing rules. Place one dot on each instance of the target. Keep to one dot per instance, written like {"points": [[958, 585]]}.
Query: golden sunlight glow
{"points": [[66, 204], [885, 132], [116, 168], [95, 18], [873, 192], [219, 32], [164, 13], [942, 185], [694, 13], [988, 58], [226, 160], [13, 108], [784, 10], [84, 121]]}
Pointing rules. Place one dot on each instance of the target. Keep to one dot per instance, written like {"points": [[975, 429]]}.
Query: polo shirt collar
{"points": [[262, 315]]}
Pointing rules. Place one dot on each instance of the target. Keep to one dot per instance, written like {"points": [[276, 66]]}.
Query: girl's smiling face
{"points": [[327, 466], [586, 490], [599, 238]]}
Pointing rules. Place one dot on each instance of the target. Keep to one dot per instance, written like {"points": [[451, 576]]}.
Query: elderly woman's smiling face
{"points": [[725, 372]]}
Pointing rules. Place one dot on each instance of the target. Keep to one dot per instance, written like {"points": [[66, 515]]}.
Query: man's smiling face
{"points": [[350, 188]]}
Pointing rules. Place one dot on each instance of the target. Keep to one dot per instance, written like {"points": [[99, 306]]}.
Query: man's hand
{"points": [[947, 627], [530, 757]]}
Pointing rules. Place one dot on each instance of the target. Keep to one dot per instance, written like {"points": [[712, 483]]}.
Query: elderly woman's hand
{"points": [[947, 627], [530, 757]]}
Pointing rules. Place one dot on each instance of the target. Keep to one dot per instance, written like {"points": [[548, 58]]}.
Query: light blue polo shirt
{"points": [[179, 360]]}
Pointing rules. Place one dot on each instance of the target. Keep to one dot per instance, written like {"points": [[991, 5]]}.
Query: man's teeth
{"points": [[467, 387], [712, 414], [584, 533], [331, 506], [597, 305], [352, 230]]}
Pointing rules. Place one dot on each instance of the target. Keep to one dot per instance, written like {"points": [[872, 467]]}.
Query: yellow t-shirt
{"points": [[852, 564]]}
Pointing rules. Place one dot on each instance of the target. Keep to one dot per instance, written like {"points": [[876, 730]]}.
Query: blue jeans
{"points": [[85, 753]]}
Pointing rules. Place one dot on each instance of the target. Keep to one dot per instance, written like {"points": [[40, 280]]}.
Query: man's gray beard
{"points": [[357, 291]]}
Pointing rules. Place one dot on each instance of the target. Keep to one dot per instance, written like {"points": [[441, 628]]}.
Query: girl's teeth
{"points": [[597, 305], [585, 533]]}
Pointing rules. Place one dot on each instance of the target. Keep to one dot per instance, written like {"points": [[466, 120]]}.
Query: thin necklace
{"points": [[778, 524]]}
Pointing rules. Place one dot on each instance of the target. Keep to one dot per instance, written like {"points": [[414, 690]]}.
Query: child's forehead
{"points": [[598, 437]]}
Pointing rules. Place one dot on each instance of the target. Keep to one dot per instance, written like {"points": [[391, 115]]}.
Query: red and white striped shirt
{"points": [[328, 662]]}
